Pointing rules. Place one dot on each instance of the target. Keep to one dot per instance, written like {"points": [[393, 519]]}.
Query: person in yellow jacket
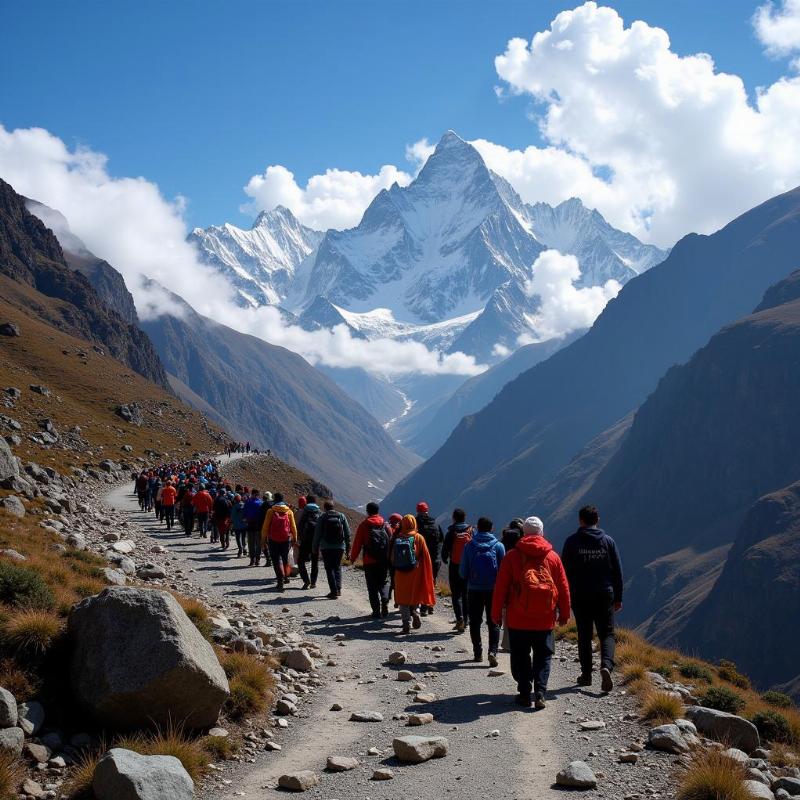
{"points": [[278, 535]]}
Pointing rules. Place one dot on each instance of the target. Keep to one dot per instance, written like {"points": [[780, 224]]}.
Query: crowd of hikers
{"points": [[515, 584]]}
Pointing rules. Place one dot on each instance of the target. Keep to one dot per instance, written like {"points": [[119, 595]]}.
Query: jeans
{"points": [[458, 588], [254, 545], [304, 555], [595, 611], [169, 514], [435, 567], [332, 559], [279, 553], [377, 576], [188, 520], [202, 522], [480, 601], [531, 673], [241, 540]]}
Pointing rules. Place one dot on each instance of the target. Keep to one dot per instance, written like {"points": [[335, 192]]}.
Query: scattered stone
{"points": [[9, 711], [9, 329], [13, 555], [38, 389], [31, 717], [398, 657], [37, 753], [220, 733], [416, 749], [124, 774], [298, 781], [131, 412], [382, 774], [11, 741], [77, 540], [577, 775], [592, 725], [149, 572], [124, 547], [668, 739], [424, 697], [420, 719], [284, 708], [628, 758], [405, 675], [366, 716], [114, 576], [32, 788], [758, 791], [735, 731], [13, 505], [8, 462], [788, 784], [297, 659], [736, 754], [341, 763]]}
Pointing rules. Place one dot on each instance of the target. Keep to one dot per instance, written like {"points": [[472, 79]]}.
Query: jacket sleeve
{"points": [[346, 527], [265, 526], [616, 570], [562, 585], [447, 547], [293, 526], [358, 543], [500, 596]]}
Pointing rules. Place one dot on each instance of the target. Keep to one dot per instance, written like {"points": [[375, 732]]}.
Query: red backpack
{"points": [[535, 586], [280, 529], [460, 541]]}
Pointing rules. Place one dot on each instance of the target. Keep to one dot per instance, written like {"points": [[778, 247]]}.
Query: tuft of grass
{"points": [[781, 756], [22, 683], [169, 741], [661, 707], [568, 632], [727, 671], [78, 785], [251, 682], [694, 670], [443, 589], [777, 699], [219, 748], [197, 613], [23, 587], [723, 699], [772, 726], [633, 672], [10, 777], [31, 632], [713, 776]]}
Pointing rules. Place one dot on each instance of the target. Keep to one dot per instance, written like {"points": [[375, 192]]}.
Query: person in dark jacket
{"points": [[252, 513], [434, 538], [594, 571], [509, 537], [372, 538], [332, 540], [458, 535], [305, 533]]}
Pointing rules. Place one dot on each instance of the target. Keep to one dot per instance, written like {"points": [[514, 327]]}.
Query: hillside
{"points": [[496, 460]]}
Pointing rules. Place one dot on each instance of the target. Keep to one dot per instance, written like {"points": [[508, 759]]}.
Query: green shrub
{"points": [[694, 671], [777, 699], [723, 699], [772, 726], [24, 588], [663, 670], [728, 672]]}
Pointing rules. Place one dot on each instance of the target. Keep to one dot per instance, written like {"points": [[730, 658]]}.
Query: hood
{"points": [[598, 533], [311, 505], [534, 546], [484, 537], [375, 520], [280, 507], [459, 526]]}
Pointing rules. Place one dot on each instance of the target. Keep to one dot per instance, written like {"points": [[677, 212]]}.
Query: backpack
{"points": [[460, 541], [535, 587], [376, 543], [311, 516], [405, 553], [333, 530], [280, 529], [483, 570], [427, 527]]}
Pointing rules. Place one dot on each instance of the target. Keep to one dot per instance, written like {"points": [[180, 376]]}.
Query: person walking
{"points": [[413, 573], [372, 537], [305, 534], [332, 540], [279, 535], [252, 514], [222, 518], [203, 503], [434, 538], [458, 535], [168, 495], [239, 525], [509, 537], [532, 590], [479, 565], [393, 528], [594, 572]]}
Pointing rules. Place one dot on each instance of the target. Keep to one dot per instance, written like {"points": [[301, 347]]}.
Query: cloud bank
{"points": [[778, 28]]}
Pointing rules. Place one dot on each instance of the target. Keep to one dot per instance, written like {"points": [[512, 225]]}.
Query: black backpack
{"points": [[376, 543], [426, 525], [311, 517], [332, 528]]}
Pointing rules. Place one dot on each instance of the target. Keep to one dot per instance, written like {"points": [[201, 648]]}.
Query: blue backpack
{"points": [[405, 553], [483, 569]]}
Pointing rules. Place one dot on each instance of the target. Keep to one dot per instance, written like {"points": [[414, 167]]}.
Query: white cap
{"points": [[533, 526]]}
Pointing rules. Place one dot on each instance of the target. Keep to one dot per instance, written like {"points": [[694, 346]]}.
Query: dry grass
{"points": [[79, 779], [443, 588], [251, 682], [727, 671], [197, 613], [171, 741], [30, 633], [10, 777], [219, 748], [19, 680], [661, 707], [782, 756], [713, 776], [568, 632]]}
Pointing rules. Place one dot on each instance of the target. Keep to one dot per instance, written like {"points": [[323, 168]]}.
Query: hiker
{"points": [[222, 518], [509, 537], [203, 504], [278, 536], [594, 572], [266, 505], [239, 525], [393, 528], [252, 514], [168, 495], [305, 535], [332, 540], [479, 565], [455, 540], [157, 501], [532, 590], [372, 536], [187, 510], [413, 573], [432, 533]]}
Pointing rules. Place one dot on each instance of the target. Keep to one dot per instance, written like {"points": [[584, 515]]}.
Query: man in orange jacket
{"points": [[168, 495], [532, 587]]}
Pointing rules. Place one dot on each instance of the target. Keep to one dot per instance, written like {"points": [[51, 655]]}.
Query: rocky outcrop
{"points": [[735, 731], [137, 660]]}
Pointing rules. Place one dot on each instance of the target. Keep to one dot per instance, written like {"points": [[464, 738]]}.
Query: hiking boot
{"points": [[477, 658], [540, 703], [279, 587], [423, 611], [338, 594], [313, 585], [460, 626], [606, 681], [375, 615], [331, 595], [416, 621], [492, 660], [306, 585], [523, 700], [384, 610], [287, 579], [584, 680], [406, 628]]}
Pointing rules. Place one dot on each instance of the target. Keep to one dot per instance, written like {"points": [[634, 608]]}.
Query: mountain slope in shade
{"points": [[259, 262], [278, 401], [543, 418]]}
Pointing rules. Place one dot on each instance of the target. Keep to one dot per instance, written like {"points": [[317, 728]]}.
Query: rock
{"points": [[577, 775], [114, 576], [628, 758], [668, 739], [298, 781], [125, 547], [341, 763], [416, 749], [757, 775], [220, 733], [39, 389], [111, 536], [77, 540], [735, 731], [125, 775], [398, 657], [9, 329], [149, 572], [37, 753], [272, 746], [366, 716], [137, 660], [336, 707], [285, 708], [758, 791], [424, 697], [11, 741], [736, 755], [32, 788], [686, 727], [107, 465], [382, 774], [405, 675], [13, 505], [790, 785], [420, 719], [13, 555], [131, 412], [298, 659], [9, 712], [592, 725], [31, 717], [265, 633]]}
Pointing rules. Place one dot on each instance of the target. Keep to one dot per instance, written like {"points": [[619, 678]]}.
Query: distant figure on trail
{"points": [[372, 537], [239, 525], [413, 574], [479, 566], [332, 540], [434, 538], [305, 534], [594, 571], [532, 590], [252, 514], [203, 503], [279, 535], [168, 495], [458, 535]]}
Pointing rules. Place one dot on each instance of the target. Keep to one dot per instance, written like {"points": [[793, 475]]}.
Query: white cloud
{"points": [[419, 152], [778, 28], [661, 144], [336, 199], [130, 224], [564, 308]]}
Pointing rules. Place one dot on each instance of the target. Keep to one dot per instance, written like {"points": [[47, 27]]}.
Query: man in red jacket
{"points": [[532, 587], [202, 502], [372, 536]]}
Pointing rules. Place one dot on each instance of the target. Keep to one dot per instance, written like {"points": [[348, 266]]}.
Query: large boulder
{"points": [[734, 731], [8, 709], [138, 660], [125, 775], [8, 462]]}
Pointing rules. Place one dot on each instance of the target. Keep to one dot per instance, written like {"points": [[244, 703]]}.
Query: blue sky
{"points": [[199, 96]]}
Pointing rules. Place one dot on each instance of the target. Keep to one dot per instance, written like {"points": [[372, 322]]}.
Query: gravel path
{"points": [[496, 750]]}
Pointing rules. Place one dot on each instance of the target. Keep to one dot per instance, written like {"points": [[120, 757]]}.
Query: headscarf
{"points": [[408, 525]]}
